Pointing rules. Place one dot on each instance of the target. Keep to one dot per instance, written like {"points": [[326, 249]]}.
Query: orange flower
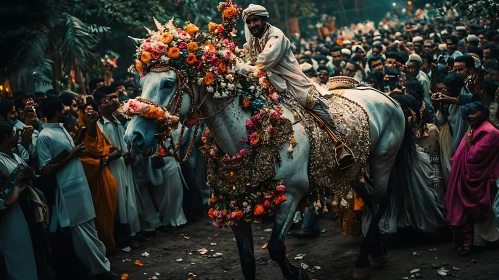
{"points": [[210, 47], [166, 38], [213, 198], [246, 103], [222, 67], [208, 78], [239, 214], [192, 46], [139, 66], [190, 59], [212, 27], [229, 13], [211, 213], [259, 210], [191, 29], [146, 57], [280, 199], [174, 52]]}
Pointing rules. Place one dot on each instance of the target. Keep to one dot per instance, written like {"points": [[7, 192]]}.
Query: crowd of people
{"points": [[444, 74], [67, 153]]}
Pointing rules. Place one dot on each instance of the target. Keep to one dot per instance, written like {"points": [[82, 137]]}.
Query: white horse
{"points": [[227, 126]]}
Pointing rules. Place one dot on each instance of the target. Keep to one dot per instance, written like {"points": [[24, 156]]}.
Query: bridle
{"points": [[176, 103]]}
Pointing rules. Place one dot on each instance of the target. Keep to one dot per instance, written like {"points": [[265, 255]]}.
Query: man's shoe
{"points": [[305, 234]]}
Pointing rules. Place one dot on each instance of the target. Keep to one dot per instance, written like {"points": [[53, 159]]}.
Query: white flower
{"points": [[131, 69], [210, 89], [230, 77], [200, 81], [230, 86], [223, 85], [165, 59], [252, 88]]}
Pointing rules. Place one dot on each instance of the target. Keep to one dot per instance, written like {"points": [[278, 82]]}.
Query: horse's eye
{"points": [[167, 85]]}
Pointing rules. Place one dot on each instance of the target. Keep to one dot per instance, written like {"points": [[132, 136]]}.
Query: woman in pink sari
{"points": [[472, 179]]}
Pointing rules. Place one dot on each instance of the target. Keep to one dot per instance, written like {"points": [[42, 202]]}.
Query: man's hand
{"points": [[129, 158], [79, 151], [442, 98], [26, 136]]}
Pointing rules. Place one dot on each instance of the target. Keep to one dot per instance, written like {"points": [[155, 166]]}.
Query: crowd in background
{"points": [[66, 152]]}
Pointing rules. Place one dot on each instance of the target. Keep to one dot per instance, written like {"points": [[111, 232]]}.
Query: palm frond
{"points": [[30, 56], [76, 44]]}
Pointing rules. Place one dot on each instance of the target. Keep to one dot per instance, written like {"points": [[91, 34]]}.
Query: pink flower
{"points": [[155, 55], [233, 215], [274, 114], [182, 45], [268, 195], [162, 48], [243, 152], [198, 65], [217, 224], [281, 188], [266, 203], [233, 158], [249, 123], [272, 130], [147, 47], [220, 29], [232, 45], [218, 214], [215, 61]]}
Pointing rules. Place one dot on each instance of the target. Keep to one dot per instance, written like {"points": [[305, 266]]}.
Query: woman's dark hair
{"points": [[408, 103], [472, 107], [51, 106]]}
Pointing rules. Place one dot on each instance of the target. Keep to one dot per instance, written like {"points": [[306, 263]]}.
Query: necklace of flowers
{"points": [[150, 110]]}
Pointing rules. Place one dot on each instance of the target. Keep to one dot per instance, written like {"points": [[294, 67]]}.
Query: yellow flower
{"points": [[210, 47], [139, 66], [192, 46], [191, 29], [212, 26], [173, 52], [146, 57], [166, 38], [190, 59]]}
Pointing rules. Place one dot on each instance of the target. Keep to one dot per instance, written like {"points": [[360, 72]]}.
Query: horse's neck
{"points": [[228, 125]]}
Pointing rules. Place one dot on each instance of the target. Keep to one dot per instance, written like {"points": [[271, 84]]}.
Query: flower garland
{"points": [[147, 109], [207, 57], [243, 185]]}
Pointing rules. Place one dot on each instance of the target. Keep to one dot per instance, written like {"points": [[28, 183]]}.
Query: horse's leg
{"points": [[380, 166], [283, 220], [244, 239]]}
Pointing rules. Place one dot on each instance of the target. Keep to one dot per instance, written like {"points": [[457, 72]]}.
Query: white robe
{"points": [[127, 198]]}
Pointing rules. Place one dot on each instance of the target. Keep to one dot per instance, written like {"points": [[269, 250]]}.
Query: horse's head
{"points": [[160, 89]]}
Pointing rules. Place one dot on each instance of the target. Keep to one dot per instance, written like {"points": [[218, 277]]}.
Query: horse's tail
{"points": [[404, 162]]}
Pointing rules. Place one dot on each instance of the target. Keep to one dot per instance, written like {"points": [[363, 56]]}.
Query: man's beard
{"points": [[260, 31]]}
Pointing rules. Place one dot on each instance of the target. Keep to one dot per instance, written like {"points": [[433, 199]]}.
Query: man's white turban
{"points": [[253, 10]]}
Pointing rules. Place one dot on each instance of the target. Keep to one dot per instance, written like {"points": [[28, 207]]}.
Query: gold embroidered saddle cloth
{"points": [[352, 123]]}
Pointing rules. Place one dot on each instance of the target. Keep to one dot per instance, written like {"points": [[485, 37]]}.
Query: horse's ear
{"points": [[136, 41]]}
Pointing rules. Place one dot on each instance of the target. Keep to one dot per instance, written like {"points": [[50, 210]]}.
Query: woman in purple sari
{"points": [[472, 179]]}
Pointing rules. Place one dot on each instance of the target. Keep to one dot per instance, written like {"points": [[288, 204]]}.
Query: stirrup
{"points": [[346, 162]]}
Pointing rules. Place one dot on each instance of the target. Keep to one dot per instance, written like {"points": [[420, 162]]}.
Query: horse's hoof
{"points": [[379, 262], [302, 274], [361, 273]]}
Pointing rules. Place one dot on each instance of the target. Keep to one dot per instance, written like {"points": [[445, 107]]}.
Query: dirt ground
{"points": [[175, 255]]}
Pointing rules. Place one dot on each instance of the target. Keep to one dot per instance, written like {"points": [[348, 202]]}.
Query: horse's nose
{"points": [[137, 139]]}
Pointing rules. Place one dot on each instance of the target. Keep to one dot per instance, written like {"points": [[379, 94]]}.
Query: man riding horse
{"points": [[268, 46]]}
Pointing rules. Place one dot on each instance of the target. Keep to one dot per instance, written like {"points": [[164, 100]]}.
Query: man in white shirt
{"points": [[74, 209], [268, 46]]}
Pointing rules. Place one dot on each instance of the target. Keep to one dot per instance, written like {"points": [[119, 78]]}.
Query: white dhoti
{"points": [[89, 249]]}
